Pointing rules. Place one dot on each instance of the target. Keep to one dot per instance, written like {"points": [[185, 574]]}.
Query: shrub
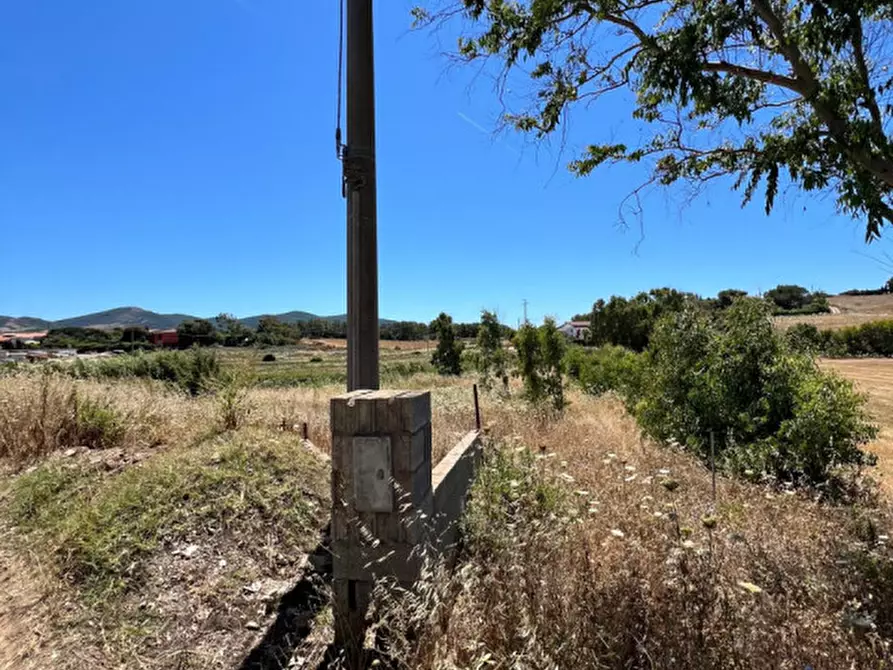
{"points": [[270, 358], [869, 339], [193, 371], [316, 359], [768, 409], [607, 368], [805, 338]]}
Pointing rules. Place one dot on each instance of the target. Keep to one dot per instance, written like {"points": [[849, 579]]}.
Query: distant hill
{"points": [[136, 316], [22, 323], [121, 317]]}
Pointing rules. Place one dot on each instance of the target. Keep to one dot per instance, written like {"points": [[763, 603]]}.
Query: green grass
{"points": [[100, 529]]}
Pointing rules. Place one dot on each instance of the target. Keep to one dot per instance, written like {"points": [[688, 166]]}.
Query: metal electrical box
{"points": [[372, 474]]}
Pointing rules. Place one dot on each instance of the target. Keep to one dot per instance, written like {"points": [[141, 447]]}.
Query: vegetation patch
{"points": [[193, 370], [593, 563], [729, 382], [101, 530]]}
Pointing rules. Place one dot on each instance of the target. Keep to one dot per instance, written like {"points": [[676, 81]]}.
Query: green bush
{"points": [[770, 410], [607, 368], [806, 338], [869, 339], [193, 370]]}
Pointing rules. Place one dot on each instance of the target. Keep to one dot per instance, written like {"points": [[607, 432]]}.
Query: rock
{"points": [[252, 625], [70, 452]]}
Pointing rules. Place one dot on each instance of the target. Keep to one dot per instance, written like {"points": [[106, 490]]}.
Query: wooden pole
{"points": [[477, 409], [359, 177]]}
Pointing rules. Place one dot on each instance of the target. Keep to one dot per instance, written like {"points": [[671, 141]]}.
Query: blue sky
{"points": [[179, 155]]}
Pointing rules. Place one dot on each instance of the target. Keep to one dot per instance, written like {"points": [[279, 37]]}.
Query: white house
{"points": [[575, 330]]}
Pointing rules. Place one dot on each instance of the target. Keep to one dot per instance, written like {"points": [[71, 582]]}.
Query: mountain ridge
{"points": [[120, 317]]}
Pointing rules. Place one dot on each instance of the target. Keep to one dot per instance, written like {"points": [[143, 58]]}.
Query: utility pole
{"points": [[359, 185]]}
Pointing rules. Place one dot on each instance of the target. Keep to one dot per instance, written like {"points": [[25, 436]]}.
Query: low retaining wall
{"points": [[452, 480]]}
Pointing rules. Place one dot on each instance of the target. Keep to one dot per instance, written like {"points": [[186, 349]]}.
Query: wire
{"points": [[338, 145]]}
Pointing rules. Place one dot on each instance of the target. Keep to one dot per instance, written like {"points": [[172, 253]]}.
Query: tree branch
{"points": [[862, 67], [752, 73], [879, 168]]}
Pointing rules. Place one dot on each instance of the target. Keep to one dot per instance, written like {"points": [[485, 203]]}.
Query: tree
{"points": [[233, 333], [751, 89], [724, 299], [629, 322], [491, 358], [273, 332], [541, 363], [196, 331], [447, 358], [788, 296]]}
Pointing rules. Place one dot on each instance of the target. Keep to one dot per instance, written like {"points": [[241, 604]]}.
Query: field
{"points": [[180, 534], [874, 376], [320, 362], [847, 310]]}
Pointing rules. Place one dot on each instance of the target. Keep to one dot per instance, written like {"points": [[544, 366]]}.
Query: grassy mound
{"points": [[101, 530]]}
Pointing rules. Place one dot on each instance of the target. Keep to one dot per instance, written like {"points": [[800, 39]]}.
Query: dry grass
{"points": [[874, 376], [38, 414], [628, 575], [624, 575]]}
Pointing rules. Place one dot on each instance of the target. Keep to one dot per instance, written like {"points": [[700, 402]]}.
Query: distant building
{"points": [[27, 337], [575, 330], [164, 338]]}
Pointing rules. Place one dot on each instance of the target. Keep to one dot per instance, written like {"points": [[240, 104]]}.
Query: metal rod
{"points": [[477, 409], [359, 175]]}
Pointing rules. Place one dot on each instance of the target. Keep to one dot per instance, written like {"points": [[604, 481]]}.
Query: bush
{"points": [[193, 371], [270, 358], [770, 410], [869, 339], [607, 368], [805, 338]]}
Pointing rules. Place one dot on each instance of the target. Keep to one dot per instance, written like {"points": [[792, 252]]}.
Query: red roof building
{"points": [[164, 338]]}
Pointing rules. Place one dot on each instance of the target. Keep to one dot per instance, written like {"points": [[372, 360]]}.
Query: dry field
{"points": [[848, 311], [874, 376]]}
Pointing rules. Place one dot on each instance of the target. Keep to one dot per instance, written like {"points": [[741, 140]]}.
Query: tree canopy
{"points": [[761, 91]]}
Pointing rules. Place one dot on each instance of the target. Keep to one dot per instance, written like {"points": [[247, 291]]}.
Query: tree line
{"points": [[228, 331], [629, 322]]}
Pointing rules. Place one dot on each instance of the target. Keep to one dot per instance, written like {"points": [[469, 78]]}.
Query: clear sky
{"points": [[178, 155]]}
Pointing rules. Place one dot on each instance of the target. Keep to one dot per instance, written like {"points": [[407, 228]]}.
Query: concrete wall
{"points": [[452, 480]]}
